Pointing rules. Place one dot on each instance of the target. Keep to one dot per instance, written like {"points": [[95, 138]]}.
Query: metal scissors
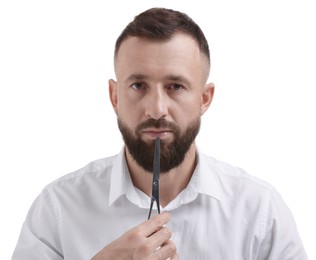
{"points": [[156, 175]]}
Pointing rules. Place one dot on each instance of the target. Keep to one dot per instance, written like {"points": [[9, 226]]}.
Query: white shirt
{"points": [[223, 214]]}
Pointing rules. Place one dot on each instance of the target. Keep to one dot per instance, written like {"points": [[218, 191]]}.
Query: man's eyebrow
{"points": [[177, 78], [133, 77], [170, 77]]}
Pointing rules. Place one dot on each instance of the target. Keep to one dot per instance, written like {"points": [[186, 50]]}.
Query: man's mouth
{"points": [[153, 133]]}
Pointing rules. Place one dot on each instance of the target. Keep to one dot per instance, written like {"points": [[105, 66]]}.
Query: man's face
{"points": [[160, 92]]}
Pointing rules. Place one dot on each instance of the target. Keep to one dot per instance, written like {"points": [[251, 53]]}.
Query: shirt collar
{"points": [[122, 185], [209, 181], [118, 180], [203, 181]]}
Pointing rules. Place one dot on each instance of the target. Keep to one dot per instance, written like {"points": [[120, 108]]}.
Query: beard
{"points": [[171, 155]]}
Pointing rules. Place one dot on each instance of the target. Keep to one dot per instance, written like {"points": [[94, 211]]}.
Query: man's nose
{"points": [[156, 104]]}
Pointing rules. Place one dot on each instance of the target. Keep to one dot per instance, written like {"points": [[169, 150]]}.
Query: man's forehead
{"points": [[133, 42], [179, 50]]}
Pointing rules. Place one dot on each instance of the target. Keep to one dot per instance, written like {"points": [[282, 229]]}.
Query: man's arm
{"points": [[281, 239], [40, 237]]}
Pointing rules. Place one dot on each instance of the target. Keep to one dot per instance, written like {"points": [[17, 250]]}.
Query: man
{"points": [[210, 210]]}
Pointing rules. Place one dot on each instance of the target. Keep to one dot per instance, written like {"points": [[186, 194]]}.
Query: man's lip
{"points": [[156, 130], [153, 133]]}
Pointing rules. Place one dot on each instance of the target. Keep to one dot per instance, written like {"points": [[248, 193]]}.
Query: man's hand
{"points": [[149, 240]]}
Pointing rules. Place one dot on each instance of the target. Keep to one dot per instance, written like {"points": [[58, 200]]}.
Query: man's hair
{"points": [[161, 24]]}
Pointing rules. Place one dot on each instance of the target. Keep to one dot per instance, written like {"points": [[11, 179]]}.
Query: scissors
{"points": [[156, 175]]}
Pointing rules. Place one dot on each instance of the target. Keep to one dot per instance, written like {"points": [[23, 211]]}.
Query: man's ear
{"points": [[207, 97], [113, 94]]}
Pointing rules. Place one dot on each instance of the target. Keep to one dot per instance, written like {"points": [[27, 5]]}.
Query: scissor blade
{"points": [[156, 174], [156, 165]]}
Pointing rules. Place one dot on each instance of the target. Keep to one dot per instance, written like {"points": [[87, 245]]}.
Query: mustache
{"points": [[160, 123]]}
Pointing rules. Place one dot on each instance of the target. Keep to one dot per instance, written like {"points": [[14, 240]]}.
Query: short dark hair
{"points": [[160, 24]]}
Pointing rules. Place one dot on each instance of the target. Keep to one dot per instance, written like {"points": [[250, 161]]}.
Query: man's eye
{"points": [[175, 87], [137, 86]]}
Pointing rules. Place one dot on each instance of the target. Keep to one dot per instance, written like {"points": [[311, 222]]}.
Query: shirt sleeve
{"points": [[40, 238], [280, 236]]}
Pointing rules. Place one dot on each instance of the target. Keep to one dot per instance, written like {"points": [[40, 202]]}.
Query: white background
{"points": [[56, 59]]}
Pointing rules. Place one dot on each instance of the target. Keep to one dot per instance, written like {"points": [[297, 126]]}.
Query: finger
{"points": [[159, 238], [152, 225], [168, 250]]}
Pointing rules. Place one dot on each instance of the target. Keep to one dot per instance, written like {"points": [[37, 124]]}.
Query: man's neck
{"points": [[171, 183]]}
